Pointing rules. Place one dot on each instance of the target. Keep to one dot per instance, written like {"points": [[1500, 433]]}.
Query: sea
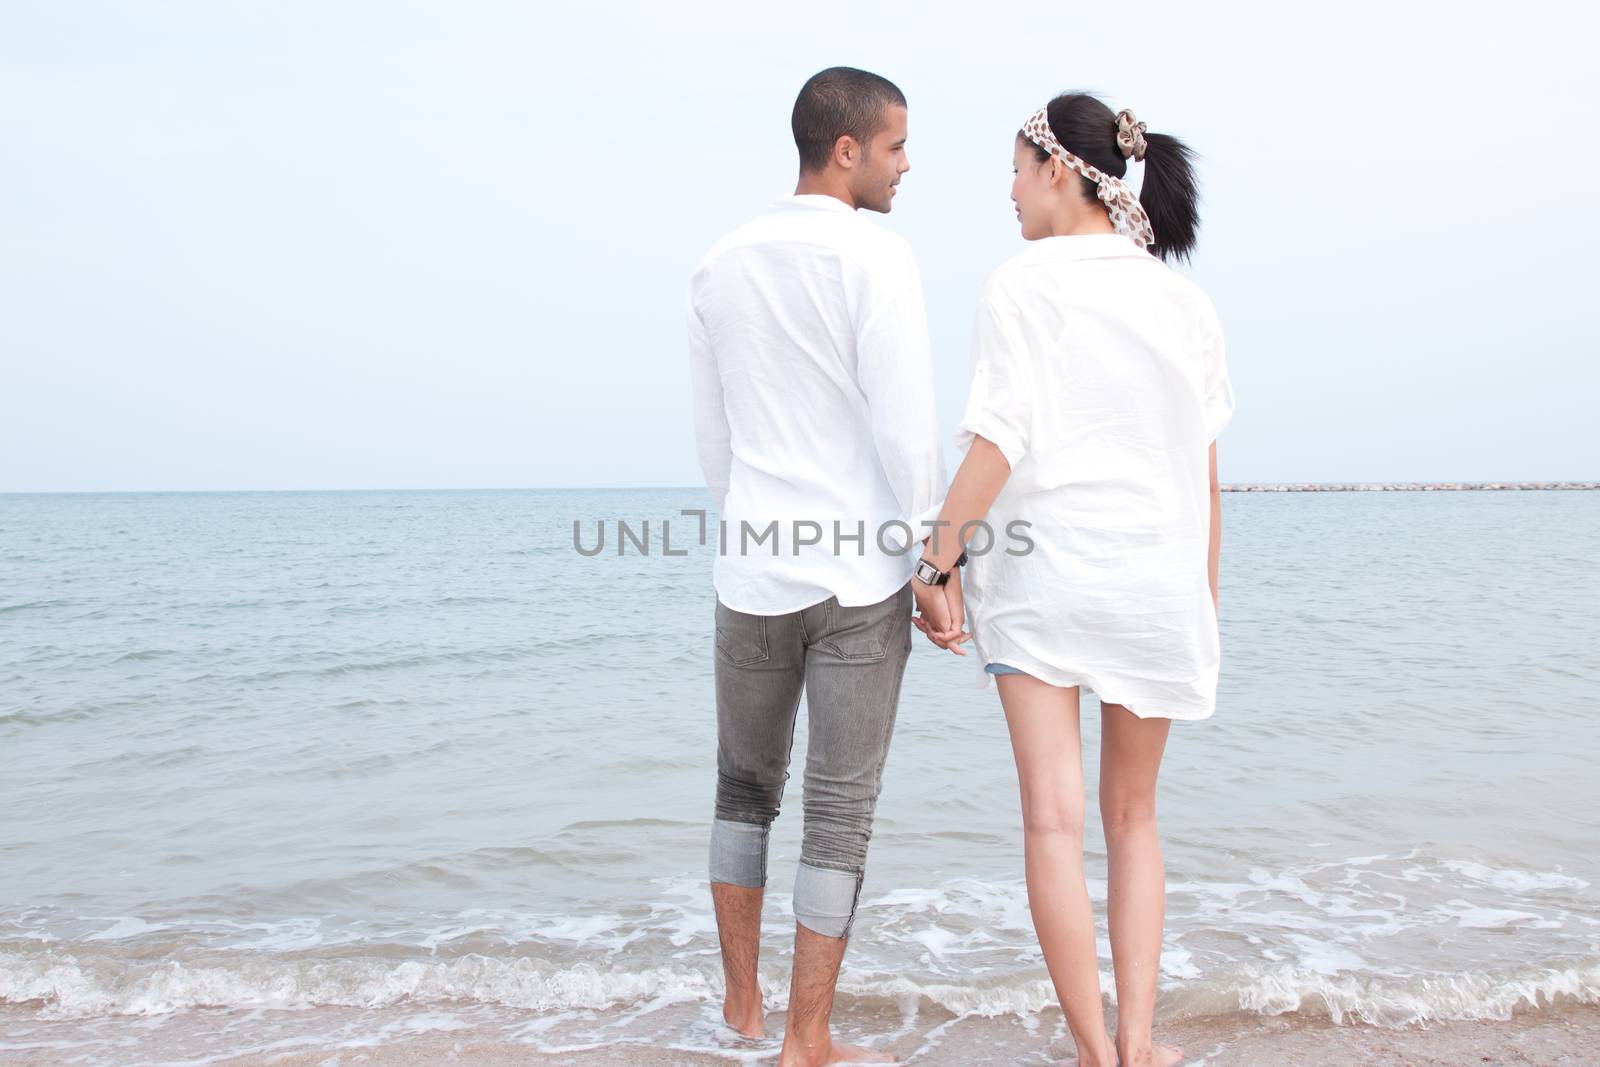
{"points": [[314, 771]]}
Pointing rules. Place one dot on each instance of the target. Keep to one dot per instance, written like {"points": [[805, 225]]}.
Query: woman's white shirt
{"points": [[1100, 373]]}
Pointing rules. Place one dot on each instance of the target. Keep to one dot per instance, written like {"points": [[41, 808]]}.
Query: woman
{"points": [[1099, 390]]}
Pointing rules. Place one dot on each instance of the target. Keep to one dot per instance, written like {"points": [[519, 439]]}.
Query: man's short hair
{"points": [[836, 102]]}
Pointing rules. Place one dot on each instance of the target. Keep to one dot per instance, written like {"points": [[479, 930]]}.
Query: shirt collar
{"points": [[814, 200], [1081, 246]]}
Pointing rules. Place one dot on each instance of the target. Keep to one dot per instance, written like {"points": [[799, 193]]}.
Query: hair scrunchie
{"points": [[1130, 135]]}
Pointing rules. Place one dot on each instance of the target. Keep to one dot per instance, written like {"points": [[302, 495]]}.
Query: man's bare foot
{"points": [[833, 1052], [746, 1015]]}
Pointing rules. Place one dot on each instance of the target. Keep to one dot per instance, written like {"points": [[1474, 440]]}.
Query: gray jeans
{"points": [[849, 662]]}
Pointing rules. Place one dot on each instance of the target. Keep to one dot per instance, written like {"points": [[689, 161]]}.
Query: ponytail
{"points": [[1170, 195]]}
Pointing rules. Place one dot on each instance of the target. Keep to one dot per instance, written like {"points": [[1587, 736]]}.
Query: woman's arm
{"points": [[983, 473], [1214, 552]]}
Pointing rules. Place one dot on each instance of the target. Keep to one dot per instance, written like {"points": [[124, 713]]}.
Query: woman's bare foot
{"points": [[1107, 1057], [1158, 1056], [1078, 1063]]}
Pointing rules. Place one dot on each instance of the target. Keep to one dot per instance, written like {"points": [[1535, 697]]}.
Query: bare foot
{"points": [[749, 1018], [833, 1052], [1160, 1056], [843, 1053], [1110, 1057]]}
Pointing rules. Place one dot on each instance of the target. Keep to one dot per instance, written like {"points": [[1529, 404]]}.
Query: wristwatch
{"points": [[928, 574]]}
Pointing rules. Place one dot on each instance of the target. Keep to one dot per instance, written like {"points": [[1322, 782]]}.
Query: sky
{"points": [[393, 245]]}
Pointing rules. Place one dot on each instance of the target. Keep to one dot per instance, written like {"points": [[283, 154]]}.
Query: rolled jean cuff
{"points": [[739, 853], [825, 899]]}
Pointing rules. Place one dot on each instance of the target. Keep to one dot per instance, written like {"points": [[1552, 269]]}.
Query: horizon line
{"points": [[1227, 487]]}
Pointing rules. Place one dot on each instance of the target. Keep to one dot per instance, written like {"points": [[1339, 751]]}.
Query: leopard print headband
{"points": [[1127, 214]]}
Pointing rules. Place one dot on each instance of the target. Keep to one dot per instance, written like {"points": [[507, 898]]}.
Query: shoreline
{"points": [[1563, 1033], [1550, 1036]]}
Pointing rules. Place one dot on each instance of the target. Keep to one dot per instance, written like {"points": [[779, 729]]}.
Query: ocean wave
{"points": [[31, 605], [59, 985], [1393, 1001], [1514, 881], [62, 986]]}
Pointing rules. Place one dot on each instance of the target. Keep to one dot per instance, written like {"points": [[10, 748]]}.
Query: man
{"points": [[815, 421]]}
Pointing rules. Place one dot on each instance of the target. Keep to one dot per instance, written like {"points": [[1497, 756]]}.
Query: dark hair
{"points": [[1170, 195], [837, 102]]}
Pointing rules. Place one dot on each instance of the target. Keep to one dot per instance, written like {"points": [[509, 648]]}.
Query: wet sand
{"points": [[1553, 1037]]}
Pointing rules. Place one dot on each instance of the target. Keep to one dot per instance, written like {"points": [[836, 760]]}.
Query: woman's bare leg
{"points": [[1044, 738], [1130, 757]]}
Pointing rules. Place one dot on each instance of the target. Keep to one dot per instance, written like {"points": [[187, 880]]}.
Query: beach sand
{"points": [[1561, 1036]]}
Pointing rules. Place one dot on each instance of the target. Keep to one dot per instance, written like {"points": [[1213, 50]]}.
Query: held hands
{"points": [[941, 613]]}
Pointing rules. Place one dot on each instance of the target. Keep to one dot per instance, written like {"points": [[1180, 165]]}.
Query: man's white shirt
{"points": [[814, 407]]}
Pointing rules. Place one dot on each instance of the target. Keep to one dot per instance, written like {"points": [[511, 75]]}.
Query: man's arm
{"points": [[710, 416], [894, 368]]}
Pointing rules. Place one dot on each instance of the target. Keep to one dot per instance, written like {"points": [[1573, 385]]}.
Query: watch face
{"points": [[927, 574]]}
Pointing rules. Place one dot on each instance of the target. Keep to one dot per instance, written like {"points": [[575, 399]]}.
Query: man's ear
{"points": [[846, 151]]}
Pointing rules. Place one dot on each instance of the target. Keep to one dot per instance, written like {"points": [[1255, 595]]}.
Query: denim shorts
{"points": [[1003, 668]]}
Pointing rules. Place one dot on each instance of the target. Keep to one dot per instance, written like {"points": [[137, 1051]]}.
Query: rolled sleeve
{"points": [[999, 406], [1219, 388], [711, 431]]}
